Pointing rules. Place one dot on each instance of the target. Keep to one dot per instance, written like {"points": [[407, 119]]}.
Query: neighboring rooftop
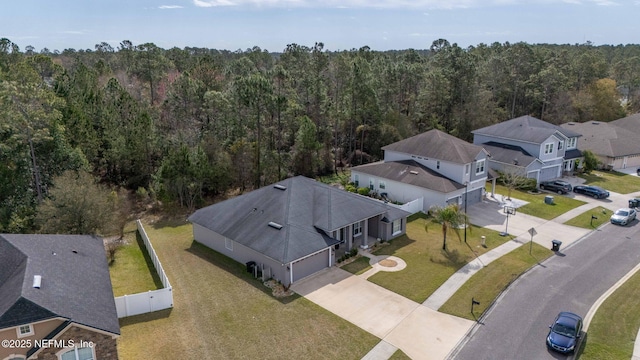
{"points": [[509, 155], [302, 212], [435, 144], [525, 128], [75, 281], [606, 139], [410, 172]]}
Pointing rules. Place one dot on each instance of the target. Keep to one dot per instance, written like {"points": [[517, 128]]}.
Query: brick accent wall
{"points": [[105, 346]]}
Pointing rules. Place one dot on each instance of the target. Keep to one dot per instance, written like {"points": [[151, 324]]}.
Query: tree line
{"points": [[182, 125]]}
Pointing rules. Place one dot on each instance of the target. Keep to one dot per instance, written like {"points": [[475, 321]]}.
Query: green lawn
{"points": [[132, 271], [613, 181], [358, 266], [399, 355], [489, 282], [536, 206], [428, 266], [222, 312], [614, 327], [584, 220]]}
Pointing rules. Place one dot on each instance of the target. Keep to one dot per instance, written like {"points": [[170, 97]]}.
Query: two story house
{"points": [[530, 146], [433, 166]]}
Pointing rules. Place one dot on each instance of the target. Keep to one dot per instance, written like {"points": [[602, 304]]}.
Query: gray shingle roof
{"points": [[75, 285], [507, 155], [525, 128], [410, 172], [435, 144], [630, 123], [307, 210], [606, 139]]}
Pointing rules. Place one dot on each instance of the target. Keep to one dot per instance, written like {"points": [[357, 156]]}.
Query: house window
{"points": [[25, 330], [228, 243], [356, 180], [85, 353], [466, 169], [437, 164], [571, 143], [371, 183], [397, 227], [480, 167], [560, 145], [382, 185], [548, 148], [357, 229]]}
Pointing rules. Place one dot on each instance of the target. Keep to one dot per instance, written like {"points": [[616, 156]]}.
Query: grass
{"points": [[614, 327], [399, 355], [132, 271], [358, 266], [428, 266], [584, 220], [536, 206], [221, 311], [613, 181], [487, 284]]}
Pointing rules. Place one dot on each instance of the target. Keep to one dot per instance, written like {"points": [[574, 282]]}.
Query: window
{"points": [[466, 169], [357, 229], [560, 144], [480, 167], [25, 330], [356, 180], [438, 164], [85, 353], [571, 143], [382, 185], [397, 227], [371, 183], [228, 243], [548, 148]]}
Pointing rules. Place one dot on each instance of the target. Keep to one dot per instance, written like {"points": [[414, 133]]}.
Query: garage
{"points": [[550, 173], [309, 265]]}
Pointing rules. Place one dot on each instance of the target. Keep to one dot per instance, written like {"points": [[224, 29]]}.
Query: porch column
{"points": [[493, 187], [365, 233]]}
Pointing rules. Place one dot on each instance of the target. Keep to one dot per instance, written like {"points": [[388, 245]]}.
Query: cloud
{"points": [[215, 3], [170, 7], [392, 4], [74, 32]]}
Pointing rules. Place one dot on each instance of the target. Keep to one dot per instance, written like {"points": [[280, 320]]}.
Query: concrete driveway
{"points": [[420, 332]]}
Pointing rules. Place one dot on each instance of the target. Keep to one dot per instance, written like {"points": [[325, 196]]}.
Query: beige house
{"points": [[616, 144]]}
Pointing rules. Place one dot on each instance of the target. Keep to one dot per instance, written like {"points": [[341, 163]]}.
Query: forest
{"points": [[83, 131]]}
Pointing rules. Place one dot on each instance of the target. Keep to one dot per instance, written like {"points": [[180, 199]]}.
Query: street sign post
{"points": [[533, 233]]}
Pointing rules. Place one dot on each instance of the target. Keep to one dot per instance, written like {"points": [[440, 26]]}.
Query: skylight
{"points": [[280, 187], [275, 225]]}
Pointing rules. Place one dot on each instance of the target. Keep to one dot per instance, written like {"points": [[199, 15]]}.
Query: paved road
{"points": [[517, 325]]}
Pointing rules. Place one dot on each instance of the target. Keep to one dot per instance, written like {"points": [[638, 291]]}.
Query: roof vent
{"points": [[37, 281], [595, 122], [74, 251], [414, 172], [275, 225], [280, 187]]}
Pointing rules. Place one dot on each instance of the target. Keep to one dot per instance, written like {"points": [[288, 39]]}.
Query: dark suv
{"points": [[559, 186], [593, 191]]}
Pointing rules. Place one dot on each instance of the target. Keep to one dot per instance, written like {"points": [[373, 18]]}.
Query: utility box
{"points": [[548, 199], [555, 245]]}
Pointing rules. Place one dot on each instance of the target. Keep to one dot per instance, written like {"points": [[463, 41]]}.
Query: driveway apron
{"points": [[420, 332]]}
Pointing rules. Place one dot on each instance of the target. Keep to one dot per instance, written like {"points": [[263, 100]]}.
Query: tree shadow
{"points": [[234, 268], [451, 258]]}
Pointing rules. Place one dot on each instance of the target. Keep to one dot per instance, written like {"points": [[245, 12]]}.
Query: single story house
{"points": [[294, 228], [56, 288], [616, 144]]}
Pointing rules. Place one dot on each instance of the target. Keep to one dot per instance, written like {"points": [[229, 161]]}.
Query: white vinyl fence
{"points": [[153, 300], [412, 206]]}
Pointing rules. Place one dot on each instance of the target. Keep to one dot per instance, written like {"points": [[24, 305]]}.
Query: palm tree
{"points": [[451, 219]]}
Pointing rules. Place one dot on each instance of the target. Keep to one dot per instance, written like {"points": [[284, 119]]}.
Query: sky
{"points": [[338, 24]]}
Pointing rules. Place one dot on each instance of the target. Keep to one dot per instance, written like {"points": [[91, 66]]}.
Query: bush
{"points": [[364, 191], [353, 251], [351, 188]]}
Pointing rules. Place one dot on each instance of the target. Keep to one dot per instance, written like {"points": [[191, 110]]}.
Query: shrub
{"points": [[353, 251], [364, 191], [351, 188]]}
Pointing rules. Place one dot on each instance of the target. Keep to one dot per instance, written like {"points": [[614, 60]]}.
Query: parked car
{"points": [[623, 216], [559, 186], [594, 191], [565, 332]]}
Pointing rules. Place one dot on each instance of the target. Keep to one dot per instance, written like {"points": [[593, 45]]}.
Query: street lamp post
{"points": [[466, 189]]}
